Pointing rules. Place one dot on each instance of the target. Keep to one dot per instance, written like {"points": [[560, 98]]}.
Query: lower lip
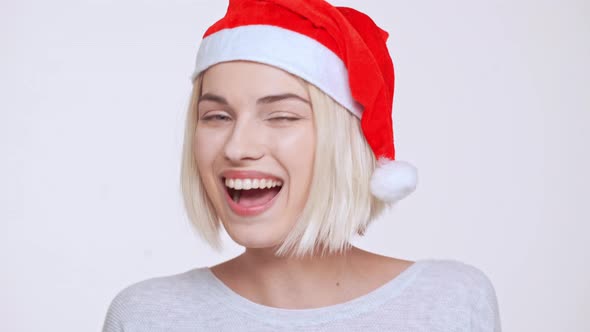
{"points": [[250, 210]]}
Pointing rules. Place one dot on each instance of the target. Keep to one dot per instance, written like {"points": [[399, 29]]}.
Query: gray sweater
{"points": [[430, 295]]}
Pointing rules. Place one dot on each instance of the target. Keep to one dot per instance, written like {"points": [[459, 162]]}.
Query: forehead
{"points": [[250, 79]]}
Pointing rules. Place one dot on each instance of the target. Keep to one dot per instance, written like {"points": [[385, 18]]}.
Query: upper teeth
{"points": [[246, 184]]}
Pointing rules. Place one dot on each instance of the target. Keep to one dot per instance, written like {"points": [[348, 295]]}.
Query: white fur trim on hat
{"points": [[293, 52], [393, 180]]}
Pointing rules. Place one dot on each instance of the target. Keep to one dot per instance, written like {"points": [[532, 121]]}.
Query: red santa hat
{"points": [[338, 49]]}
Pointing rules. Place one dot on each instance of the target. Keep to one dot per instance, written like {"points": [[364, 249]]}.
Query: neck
{"points": [[262, 261], [298, 282]]}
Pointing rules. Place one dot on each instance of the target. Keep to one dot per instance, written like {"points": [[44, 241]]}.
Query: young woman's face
{"points": [[254, 148]]}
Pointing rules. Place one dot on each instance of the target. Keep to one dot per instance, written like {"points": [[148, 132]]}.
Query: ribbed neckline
{"points": [[301, 317]]}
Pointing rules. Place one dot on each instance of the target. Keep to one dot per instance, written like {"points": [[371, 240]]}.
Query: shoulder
{"points": [[457, 273], [464, 286], [159, 290], [151, 298], [462, 279]]}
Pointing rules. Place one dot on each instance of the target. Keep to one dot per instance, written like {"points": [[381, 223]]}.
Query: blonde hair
{"points": [[340, 203]]}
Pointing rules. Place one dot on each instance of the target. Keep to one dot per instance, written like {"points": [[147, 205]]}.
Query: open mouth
{"points": [[248, 193]]}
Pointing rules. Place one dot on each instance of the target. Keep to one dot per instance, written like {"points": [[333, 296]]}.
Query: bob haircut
{"points": [[340, 203]]}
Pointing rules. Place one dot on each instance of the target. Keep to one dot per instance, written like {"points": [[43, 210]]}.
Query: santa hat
{"points": [[338, 49]]}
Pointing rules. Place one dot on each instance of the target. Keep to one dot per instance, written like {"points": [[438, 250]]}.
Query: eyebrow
{"points": [[275, 98], [263, 100]]}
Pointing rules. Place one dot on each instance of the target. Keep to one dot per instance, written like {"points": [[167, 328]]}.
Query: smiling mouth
{"points": [[253, 197]]}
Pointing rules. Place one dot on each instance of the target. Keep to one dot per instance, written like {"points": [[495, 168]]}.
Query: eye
{"points": [[283, 119], [216, 117]]}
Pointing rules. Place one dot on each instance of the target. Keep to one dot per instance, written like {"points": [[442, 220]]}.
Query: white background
{"points": [[492, 105]]}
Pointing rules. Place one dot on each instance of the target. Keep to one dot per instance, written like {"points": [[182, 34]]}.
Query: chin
{"points": [[255, 238]]}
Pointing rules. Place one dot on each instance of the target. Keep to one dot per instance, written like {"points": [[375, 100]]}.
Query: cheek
{"points": [[295, 150], [300, 150], [298, 143], [206, 146]]}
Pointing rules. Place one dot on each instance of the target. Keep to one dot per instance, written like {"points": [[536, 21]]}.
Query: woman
{"points": [[289, 147]]}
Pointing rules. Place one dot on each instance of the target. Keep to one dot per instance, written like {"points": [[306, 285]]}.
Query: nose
{"points": [[244, 142]]}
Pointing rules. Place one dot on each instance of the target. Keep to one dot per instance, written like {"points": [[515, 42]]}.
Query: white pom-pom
{"points": [[393, 180]]}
